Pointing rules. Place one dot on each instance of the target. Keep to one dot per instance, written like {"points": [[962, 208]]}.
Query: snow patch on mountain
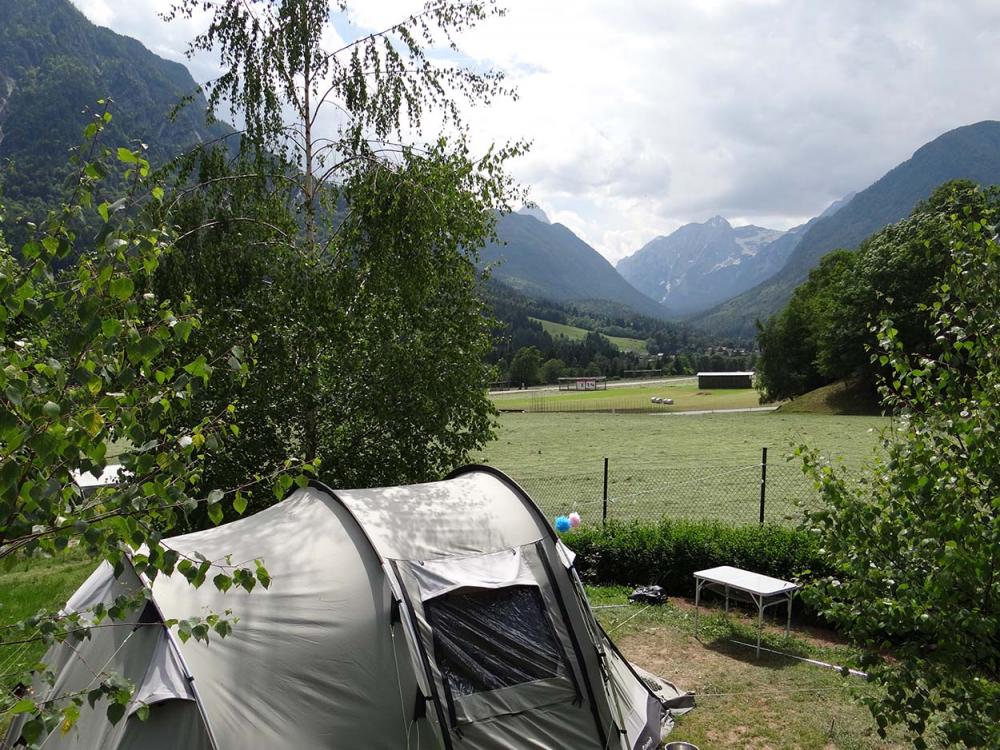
{"points": [[698, 265]]}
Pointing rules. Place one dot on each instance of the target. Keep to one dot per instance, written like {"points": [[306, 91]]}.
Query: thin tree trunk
{"points": [[311, 421]]}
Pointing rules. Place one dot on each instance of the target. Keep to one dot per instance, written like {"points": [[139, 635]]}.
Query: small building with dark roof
{"points": [[725, 380]]}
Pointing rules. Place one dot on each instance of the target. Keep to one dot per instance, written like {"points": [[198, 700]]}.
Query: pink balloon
{"points": [[574, 520]]}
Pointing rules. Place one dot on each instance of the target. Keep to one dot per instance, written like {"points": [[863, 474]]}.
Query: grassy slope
{"points": [[578, 334], [685, 394], [837, 398]]}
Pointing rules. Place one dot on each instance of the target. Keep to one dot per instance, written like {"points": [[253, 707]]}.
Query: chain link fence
{"points": [[759, 492]]}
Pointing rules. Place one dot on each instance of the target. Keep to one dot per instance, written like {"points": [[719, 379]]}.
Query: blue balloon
{"points": [[562, 524]]}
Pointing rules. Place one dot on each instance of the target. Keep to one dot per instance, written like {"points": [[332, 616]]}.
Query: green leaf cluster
{"points": [[350, 258], [668, 552], [93, 356], [915, 549]]}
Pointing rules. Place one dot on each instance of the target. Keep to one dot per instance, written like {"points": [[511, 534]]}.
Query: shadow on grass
{"points": [[736, 638], [727, 646]]}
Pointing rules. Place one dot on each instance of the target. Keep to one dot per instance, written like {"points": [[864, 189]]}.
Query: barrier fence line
{"points": [[752, 493]]}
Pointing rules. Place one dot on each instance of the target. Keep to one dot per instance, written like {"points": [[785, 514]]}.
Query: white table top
{"points": [[746, 581], [109, 476]]}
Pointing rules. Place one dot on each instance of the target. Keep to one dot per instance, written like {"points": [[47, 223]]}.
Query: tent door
{"points": [[492, 629]]}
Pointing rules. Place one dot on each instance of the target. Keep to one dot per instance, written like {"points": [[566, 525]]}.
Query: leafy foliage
{"points": [[525, 367], [376, 374], [350, 256], [916, 550], [668, 552], [552, 370], [91, 356], [789, 343]]}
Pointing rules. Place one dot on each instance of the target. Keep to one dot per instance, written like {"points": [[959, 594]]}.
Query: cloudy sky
{"points": [[647, 114]]}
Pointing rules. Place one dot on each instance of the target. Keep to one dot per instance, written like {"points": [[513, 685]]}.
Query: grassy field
{"points": [[775, 702], [25, 587], [837, 398], [697, 467], [634, 398], [578, 334]]}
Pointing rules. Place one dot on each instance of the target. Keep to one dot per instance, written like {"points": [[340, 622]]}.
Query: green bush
{"points": [[668, 553]]}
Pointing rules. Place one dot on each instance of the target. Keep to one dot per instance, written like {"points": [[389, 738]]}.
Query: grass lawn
{"points": [[698, 467], [775, 702], [578, 334], [685, 394], [27, 586], [842, 397]]}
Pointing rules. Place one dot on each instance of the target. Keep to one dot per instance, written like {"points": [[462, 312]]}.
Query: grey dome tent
{"points": [[440, 615]]}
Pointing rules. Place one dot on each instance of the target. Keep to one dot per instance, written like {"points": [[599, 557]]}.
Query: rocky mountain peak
{"points": [[698, 265], [535, 211]]}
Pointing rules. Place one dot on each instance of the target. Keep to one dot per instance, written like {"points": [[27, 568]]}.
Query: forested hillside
{"points": [[519, 335], [54, 66], [548, 261], [971, 152], [825, 332]]}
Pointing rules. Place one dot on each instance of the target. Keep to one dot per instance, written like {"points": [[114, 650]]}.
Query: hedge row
{"points": [[668, 553]]}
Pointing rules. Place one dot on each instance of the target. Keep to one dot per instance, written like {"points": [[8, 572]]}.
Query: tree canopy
{"points": [[349, 251], [309, 297], [92, 359]]}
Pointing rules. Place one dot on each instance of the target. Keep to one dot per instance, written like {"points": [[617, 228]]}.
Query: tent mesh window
{"points": [[487, 639]]}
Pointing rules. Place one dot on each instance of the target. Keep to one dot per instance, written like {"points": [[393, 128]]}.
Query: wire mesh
{"points": [[730, 494]]}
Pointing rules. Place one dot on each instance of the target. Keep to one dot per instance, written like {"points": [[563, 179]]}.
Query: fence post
{"points": [[763, 481], [604, 513]]}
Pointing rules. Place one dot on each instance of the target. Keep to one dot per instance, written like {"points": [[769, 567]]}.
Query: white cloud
{"points": [[142, 20], [650, 114], [97, 11]]}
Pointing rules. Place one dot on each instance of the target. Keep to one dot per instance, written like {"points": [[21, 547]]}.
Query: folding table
{"points": [[743, 585]]}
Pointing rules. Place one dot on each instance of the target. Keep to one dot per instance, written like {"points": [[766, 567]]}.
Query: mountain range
{"points": [[55, 65], [722, 279], [700, 265], [547, 261], [971, 152]]}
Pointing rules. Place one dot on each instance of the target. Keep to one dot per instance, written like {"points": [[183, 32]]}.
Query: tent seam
{"points": [[180, 655], [445, 730]]}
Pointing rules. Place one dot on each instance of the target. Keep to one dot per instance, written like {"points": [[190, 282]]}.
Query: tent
{"points": [[439, 615]]}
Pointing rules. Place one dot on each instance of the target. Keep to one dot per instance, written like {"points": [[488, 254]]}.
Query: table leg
{"points": [[788, 621], [697, 596], [727, 600], [760, 621]]}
